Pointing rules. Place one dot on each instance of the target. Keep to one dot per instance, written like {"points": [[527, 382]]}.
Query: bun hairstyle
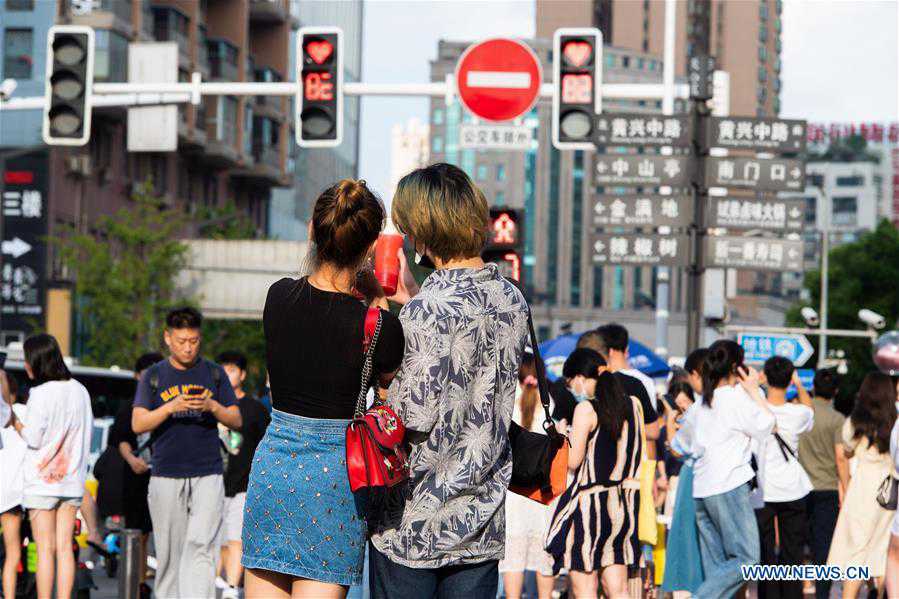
{"points": [[721, 361], [346, 221]]}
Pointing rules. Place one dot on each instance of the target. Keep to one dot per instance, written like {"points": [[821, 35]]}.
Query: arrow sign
{"points": [[758, 347], [16, 247]]}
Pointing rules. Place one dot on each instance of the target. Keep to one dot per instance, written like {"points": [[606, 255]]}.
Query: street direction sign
{"points": [[499, 137], [24, 245], [638, 250], [619, 170], [807, 377], [763, 135], [755, 213], [761, 174], [758, 347], [498, 79], [642, 211], [699, 75], [754, 253], [641, 130]]}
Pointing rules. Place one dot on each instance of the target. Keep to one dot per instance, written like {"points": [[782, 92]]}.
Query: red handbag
{"points": [[375, 456]]}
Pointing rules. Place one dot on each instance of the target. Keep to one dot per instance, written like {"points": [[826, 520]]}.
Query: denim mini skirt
{"points": [[301, 518]]}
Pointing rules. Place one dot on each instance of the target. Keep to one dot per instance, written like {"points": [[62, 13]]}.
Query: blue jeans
{"points": [[728, 539], [389, 580]]}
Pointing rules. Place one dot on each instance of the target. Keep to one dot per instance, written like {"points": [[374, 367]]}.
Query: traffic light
{"points": [[504, 242], [319, 105], [577, 77], [69, 79]]}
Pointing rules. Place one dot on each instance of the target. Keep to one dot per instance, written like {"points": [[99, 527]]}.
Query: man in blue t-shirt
{"points": [[180, 401]]}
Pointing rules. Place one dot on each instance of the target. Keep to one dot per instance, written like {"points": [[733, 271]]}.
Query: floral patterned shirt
{"points": [[465, 335]]}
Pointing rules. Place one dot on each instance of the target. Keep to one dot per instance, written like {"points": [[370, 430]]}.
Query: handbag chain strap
{"points": [[367, 367], [542, 386]]}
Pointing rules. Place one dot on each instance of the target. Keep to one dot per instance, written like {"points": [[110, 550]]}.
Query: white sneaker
{"points": [[230, 593]]}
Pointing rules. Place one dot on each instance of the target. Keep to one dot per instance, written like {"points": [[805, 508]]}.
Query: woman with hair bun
{"points": [[732, 413], [303, 534], [593, 532]]}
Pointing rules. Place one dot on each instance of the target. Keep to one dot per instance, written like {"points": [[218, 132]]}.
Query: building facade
{"points": [[314, 169], [231, 150], [409, 150], [744, 38]]}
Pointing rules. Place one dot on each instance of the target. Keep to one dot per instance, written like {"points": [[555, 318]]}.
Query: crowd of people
{"points": [[722, 470]]}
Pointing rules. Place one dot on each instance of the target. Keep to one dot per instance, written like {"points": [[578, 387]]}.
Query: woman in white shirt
{"points": [[57, 431], [732, 413]]}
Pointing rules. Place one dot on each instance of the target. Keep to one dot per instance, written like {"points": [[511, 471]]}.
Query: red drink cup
{"points": [[387, 262]]}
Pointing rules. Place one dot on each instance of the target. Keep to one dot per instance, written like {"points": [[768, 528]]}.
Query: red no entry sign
{"points": [[498, 79]]}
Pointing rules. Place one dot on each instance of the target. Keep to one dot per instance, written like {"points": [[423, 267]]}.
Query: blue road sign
{"points": [[758, 347]]}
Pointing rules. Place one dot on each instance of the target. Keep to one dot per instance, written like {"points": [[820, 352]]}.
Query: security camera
{"points": [[872, 319], [810, 316], [7, 88]]}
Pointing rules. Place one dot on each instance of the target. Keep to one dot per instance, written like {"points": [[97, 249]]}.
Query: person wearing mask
{"points": [[135, 451], [527, 520], [57, 431], [732, 413], [12, 483], [683, 564], [241, 444], [782, 481], [593, 533], [303, 532], [180, 401], [443, 531], [821, 455], [862, 534]]}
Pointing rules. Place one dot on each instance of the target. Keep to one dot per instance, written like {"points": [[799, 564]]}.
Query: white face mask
{"points": [[580, 395]]}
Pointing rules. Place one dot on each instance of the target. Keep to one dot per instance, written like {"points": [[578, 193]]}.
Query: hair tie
{"points": [[530, 381]]}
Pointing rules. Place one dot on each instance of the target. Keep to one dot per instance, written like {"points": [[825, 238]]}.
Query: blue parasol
{"points": [[556, 351]]}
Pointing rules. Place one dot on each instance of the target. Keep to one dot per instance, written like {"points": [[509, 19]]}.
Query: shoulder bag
{"points": [[888, 493], [375, 456], [539, 462]]}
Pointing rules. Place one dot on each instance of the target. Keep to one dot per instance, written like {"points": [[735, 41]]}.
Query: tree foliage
{"points": [[862, 274], [124, 273]]}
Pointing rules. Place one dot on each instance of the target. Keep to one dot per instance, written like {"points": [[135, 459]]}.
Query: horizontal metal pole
{"points": [[135, 94], [739, 328]]}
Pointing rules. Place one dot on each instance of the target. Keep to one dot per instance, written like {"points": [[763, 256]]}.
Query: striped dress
{"points": [[595, 522]]}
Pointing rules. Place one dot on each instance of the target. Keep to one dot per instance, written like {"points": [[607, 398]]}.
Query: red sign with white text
{"points": [[499, 79]]}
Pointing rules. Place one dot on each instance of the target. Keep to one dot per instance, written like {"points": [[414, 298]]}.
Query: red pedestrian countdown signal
{"points": [[319, 103], [504, 242], [577, 76]]}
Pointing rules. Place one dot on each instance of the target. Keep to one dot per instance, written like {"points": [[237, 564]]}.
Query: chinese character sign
{"points": [[761, 174], [755, 253], [504, 137], [620, 129], [754, 213], [642, 211], [642, 171], [777, 135], [636, 249]]}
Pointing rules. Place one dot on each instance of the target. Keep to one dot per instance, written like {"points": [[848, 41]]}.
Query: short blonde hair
{"points": [[441, 208]]}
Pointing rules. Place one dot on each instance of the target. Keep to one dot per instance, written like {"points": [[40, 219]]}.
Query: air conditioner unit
{"points": [[79, 165]]}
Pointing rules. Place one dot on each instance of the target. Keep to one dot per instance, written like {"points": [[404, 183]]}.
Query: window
{"points": [[641, 63], [610, 60], [481, 172], [500, 198], [625, 61], [763, 53], [853, 181], [437, 144], [111, 56], [500, 172], [763, 74], [763, 34], [12, 5], [816, 180], [845, 204], [17, 53], [438, 116], [811, 208], [763, 11]]}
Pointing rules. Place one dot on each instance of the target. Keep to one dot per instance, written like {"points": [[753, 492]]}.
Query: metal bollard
{"points": [[130, 564]]}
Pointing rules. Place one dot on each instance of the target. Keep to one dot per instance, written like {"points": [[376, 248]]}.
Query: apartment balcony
{"points": [[268, 11], [268, 106], [220, 126], [113, 15], [265, 169], [172, 25], [222, 60], [146, 21], [203, 64]]}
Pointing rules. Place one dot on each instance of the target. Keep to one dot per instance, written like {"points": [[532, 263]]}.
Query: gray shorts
{"points": [[48, 502], [233, 517]]}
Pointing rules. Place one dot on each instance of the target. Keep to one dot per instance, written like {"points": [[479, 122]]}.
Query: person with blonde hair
{"points": [[442, 532]]}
